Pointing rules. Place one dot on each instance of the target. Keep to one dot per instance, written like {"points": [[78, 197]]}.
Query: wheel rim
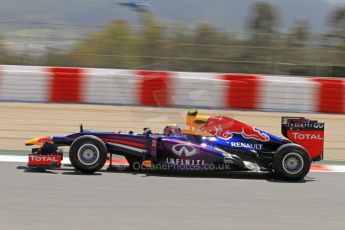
{"points": [[88, 154], [293, 163]]}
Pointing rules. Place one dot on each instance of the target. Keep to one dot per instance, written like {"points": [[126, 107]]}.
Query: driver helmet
{"points": [[171, 129]]}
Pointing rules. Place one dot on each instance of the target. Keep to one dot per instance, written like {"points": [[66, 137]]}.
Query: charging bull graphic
{"points": [[225, 127]]}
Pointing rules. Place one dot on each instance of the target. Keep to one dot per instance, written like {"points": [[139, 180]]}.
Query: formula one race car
{"points": [[207, 143]]}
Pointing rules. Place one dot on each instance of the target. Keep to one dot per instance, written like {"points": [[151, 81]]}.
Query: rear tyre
{"points": [[88, 154], [291, 162]]}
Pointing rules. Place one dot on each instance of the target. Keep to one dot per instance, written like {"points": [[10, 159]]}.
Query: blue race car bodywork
{"points": [[208, 143]]}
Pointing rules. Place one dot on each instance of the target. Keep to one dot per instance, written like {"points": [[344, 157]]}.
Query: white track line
{"points": [[23, 159], [331, 168]]}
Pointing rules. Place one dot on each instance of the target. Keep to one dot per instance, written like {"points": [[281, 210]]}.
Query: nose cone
{"points": [[33, 141]]}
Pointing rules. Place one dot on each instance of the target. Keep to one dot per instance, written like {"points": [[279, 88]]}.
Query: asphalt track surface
{"points": [[64, 199]]}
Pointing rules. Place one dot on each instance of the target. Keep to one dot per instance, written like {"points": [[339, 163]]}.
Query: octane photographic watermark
{"points": [[181, 167]]}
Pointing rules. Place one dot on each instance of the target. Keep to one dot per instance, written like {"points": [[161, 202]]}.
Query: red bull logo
{"points": [[225, 127]]}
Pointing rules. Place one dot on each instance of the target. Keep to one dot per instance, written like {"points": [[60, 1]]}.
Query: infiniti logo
{"points": [[187, 150]]}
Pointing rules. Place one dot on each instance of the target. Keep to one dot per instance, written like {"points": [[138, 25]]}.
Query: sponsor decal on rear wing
{"points": [[300, 123], [307, 133]]}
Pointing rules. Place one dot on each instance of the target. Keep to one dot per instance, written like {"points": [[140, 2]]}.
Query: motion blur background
{"points": [[267, 39], [286, 37]]}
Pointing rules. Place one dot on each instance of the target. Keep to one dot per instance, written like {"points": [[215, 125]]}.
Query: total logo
{"points": [[184, 149], [44, 158], [307, 136]]}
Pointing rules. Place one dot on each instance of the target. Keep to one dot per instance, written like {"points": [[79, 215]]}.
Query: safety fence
{"points": [[171, 89]]}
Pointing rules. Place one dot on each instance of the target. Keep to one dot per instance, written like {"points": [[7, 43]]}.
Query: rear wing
{"points": [[305, 132]]}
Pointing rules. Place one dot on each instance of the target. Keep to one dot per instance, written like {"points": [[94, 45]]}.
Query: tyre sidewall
{"points": [[279, 156], [79, 143]]}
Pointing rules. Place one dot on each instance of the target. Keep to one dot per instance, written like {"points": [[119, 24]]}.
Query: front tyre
{"points": [[88, 154], [291, 162]]}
